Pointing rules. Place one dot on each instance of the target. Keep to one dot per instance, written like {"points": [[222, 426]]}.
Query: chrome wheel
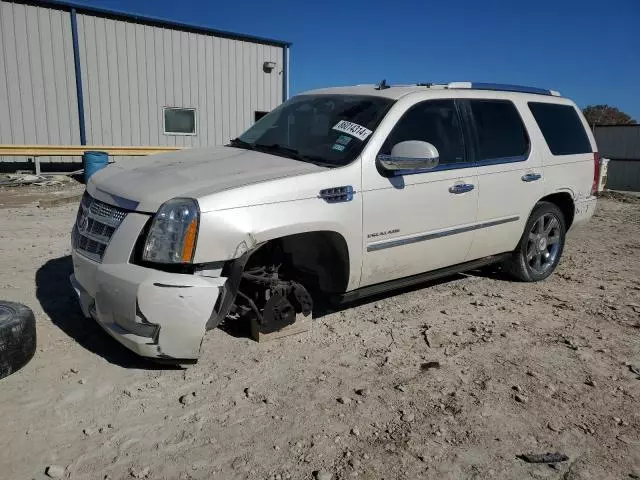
{"points": [[543, 243]]}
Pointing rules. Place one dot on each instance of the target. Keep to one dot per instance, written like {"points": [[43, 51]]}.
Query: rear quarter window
{"points": [[561, 127]]}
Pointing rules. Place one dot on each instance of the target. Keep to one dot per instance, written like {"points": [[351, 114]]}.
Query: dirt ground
{"points": [[523, 368], [12, 196]]}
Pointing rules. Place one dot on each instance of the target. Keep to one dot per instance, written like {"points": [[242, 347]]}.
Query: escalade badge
{"points": [[382, 234]]}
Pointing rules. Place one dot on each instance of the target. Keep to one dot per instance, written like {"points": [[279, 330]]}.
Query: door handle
{"points": [[531, 177], [461, 188]]}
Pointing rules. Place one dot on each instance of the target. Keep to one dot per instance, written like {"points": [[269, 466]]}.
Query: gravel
{"points": [[323, 475], [54, 471], [466, 419]]}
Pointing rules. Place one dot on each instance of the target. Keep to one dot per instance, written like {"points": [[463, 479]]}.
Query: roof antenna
{"points": [[382, 85]]}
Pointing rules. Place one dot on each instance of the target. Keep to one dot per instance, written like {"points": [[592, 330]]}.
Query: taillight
{"points": [[596, 173]]}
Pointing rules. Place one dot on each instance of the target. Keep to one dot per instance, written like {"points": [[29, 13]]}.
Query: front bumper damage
{"points": [[154, 313]]}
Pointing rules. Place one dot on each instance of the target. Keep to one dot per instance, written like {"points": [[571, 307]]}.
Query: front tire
{"points": [[541, 246]]}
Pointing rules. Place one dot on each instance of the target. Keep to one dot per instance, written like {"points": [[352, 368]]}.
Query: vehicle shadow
{"points": [[333, 305], [235, 327], [240, 328], [493, 272], [58, 300]]}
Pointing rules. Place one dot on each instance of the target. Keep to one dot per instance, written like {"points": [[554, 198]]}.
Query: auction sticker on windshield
{"points": [[353, 129]]}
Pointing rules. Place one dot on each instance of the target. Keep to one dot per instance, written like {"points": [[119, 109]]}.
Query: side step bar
{"points": [[399, 283]]}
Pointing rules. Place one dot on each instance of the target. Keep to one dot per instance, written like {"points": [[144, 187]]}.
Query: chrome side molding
{"points": [[430, 236]]}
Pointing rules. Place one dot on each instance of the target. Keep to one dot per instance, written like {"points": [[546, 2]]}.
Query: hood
{"points": [[145, 183]]}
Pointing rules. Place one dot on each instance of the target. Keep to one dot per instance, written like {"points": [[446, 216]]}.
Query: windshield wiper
{"points": [[293, 153], [276, 147], [236, 142]]}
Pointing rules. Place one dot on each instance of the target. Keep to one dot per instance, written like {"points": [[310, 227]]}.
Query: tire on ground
{"points": [[17, 337], [517, 266]]}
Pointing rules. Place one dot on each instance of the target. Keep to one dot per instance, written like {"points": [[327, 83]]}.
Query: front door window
{"points": [[433, 121]]}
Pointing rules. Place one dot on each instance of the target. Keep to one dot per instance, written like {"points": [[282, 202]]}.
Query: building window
{"points": [[179, 121], [258, 115]]}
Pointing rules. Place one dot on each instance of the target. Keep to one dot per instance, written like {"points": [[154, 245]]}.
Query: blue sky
{"points": [[586, 49]]}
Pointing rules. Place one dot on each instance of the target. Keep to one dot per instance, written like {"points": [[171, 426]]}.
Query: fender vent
{"points": [[337, 194]]}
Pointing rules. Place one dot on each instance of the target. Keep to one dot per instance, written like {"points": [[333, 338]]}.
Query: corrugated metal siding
{"points": [[624, 175], [619, 142], [38, 103], [131, 71]]}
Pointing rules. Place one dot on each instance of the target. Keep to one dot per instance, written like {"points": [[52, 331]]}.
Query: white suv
{"points": [[338, 192]]}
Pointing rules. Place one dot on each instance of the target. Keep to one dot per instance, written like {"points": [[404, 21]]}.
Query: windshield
{"points": [[328, 130]]}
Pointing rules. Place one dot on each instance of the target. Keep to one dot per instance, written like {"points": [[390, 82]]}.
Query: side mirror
{"points": [[410, 155]]}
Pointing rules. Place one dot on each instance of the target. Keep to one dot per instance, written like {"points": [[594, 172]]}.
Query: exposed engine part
{"points": [[278, 313], [252, 304], [274, 302]]}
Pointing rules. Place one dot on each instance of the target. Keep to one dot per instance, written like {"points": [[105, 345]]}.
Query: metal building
{"points": [[77, 75], [621, 145]]}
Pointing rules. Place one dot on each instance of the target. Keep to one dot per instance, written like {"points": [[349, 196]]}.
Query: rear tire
{"points": [[541, 245], [17, 337]]}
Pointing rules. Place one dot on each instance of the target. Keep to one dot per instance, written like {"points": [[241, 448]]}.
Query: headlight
{"points": [[173, 232]]}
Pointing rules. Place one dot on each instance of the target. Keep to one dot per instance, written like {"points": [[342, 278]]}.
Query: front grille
{"points": [[95, 225]]}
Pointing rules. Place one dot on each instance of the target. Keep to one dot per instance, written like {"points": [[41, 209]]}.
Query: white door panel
{"points": [[412, 222], [508, 188], [410, 225], [503, 194]]}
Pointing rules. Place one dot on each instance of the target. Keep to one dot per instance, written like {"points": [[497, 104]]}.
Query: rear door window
{"points": [[499, 129], [561, 127]]}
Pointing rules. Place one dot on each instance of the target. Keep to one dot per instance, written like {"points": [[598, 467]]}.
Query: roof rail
{"points": [[383, 85], [503, 87]]}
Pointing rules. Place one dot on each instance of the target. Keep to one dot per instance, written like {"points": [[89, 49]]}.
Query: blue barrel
{"points": [[92, 162]]}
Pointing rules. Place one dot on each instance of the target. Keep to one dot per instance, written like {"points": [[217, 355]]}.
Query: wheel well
{"points": [[564, 202], [319, 260]]}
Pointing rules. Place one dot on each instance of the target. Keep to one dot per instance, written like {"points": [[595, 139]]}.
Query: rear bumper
{"points": [[584, 210], [154, 313]]}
